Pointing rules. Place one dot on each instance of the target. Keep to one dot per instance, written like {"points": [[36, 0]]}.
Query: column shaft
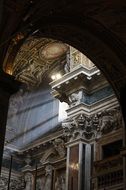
{"points": [[73, 168], [87, 167], [78, 166]]}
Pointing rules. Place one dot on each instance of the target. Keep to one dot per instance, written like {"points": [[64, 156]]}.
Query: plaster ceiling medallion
{"points": [[53, 50]]}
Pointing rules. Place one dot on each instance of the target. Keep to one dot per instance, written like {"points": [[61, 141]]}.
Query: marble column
{"points": [[87, 185], [8, 86], [72, 167], [78, 129], [78, 165]]}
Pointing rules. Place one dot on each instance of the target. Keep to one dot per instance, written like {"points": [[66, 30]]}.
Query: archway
{"points": [[105, 124], [99, 51], [88, 36]]}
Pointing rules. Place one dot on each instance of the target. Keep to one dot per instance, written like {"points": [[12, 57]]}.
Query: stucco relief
{"points": [[60, 147], [94, 126], [75, 98], [56, 150], [28, 181], [15, 183], [60, 183], [35, 57], [48, 175]]}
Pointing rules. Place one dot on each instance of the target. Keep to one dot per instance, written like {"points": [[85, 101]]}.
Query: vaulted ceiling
{"points": [[95, 27], [36, 57]]}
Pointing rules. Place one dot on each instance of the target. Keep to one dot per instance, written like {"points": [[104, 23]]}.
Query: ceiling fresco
{"points": [[35, 58], [97, 28], [38, 57]]}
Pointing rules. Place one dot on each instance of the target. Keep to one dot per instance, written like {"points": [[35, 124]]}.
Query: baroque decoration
{"points": [[93, 126], [58, 150], [79, 58], [60, 147], [28, 181], [35, 58], [15, 184]]}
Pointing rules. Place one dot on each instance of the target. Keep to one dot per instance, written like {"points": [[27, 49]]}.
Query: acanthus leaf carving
{"points": [[94, 126]]}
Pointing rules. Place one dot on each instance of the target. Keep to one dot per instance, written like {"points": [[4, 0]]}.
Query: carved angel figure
{"points": [[48, 176], [60, 147], [28, 181], [60, 183]]}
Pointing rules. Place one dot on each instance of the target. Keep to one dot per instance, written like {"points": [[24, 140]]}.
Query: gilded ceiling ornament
{"points": [[35, 58]]}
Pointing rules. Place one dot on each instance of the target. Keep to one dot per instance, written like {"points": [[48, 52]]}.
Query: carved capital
{"points": [[94, 126]]}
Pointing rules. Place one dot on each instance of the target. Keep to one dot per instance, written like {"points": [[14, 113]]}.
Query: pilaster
{"points": [[86, 122]]}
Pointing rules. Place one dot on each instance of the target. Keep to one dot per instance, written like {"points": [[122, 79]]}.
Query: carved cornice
{"points": [[43, 143], [79, 78], [108, 103]]}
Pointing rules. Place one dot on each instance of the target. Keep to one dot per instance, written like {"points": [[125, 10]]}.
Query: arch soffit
{"points": [[90, 38]]}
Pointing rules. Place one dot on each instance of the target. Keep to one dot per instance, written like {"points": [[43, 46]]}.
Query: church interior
{"points": [[62, 95]]}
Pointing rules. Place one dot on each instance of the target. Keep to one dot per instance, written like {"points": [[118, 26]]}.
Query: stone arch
{"points": [[92, 39]]}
